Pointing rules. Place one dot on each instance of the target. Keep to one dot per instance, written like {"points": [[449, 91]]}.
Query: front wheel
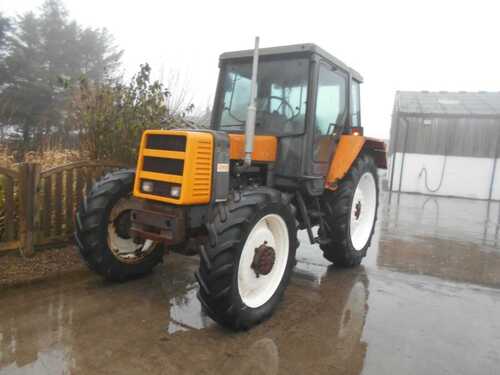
{"points": [[351, 213], [103, 231], [246, 264]]}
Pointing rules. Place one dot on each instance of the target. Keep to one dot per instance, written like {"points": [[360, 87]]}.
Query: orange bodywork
{"points": [[348, 149], [196, 159], [195, 181], [265, 147]]}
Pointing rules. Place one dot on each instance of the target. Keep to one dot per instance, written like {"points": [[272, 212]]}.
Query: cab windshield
{"points": [[281, 96]]}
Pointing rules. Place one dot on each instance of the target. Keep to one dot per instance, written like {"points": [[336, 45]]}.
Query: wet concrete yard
{"points": [[425, 301]]}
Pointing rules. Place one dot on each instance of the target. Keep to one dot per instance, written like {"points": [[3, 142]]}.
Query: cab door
{"points": [[330, 115]]}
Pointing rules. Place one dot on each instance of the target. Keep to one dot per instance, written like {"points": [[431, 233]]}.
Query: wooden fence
{"points": [[36, 207]]}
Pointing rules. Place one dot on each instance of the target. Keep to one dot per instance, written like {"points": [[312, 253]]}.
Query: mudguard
{"points": [[348, 149]]}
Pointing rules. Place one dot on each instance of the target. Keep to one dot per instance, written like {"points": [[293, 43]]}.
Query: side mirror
{"points": [[331, 128]]}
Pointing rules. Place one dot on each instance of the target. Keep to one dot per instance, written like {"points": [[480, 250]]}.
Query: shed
{"points": [[446, 143]]}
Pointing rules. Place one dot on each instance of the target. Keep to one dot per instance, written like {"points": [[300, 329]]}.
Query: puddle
{"points": [[186, 312], [402, 311]]}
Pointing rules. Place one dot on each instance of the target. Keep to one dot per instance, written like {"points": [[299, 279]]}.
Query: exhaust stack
{"points": [[252, 109]]}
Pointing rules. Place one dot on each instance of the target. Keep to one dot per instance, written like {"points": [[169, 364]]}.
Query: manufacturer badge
{"points": [[222, 167]]}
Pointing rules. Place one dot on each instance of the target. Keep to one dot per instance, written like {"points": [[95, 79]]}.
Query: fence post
{"points": [[29, 176]]}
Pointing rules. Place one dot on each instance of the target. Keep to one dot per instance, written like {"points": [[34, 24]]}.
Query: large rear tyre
{"points": [[351, 213], [102, 232], [246, 263]]}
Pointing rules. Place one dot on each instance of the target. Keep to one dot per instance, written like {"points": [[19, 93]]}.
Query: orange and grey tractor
{"points": [[285, 152]]}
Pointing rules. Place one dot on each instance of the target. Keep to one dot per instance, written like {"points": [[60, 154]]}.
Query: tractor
{"points": [[285, 151]]}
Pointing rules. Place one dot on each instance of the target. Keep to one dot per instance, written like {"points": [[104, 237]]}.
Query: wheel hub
{"points": [[263, 260], [357, 210], [122, 224]]}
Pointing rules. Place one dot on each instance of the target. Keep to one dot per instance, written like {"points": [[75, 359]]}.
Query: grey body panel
{"points": [[221, 166]]}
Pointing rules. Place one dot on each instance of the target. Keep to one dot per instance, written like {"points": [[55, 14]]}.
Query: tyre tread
{"points": [[339, 250], [90, 235], [225, 232]]}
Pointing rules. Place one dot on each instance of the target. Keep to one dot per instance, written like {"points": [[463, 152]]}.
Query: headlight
{"points": [[147, 186], [175, 191]]}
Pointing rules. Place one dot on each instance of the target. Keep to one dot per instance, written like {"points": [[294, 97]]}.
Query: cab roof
{"points": [[293, 49]]}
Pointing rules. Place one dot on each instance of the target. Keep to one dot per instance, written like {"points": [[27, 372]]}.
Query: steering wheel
{"points": [[283, 102]]}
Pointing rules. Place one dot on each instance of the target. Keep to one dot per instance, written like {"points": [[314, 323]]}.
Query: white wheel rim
{"points": [[256, 291], [363, 209], [125, 249]]}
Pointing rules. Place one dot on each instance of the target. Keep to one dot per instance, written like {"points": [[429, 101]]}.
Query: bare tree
{"points": [[179, 101]]}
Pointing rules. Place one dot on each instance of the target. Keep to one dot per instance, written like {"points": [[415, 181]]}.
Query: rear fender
{"points": [[348, 150]]}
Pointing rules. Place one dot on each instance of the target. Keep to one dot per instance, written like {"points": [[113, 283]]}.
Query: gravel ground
{"points": [[45, 264]]}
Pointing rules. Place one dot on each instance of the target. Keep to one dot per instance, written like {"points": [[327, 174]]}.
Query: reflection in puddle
{"points": [[63, 328], [92, 326], [323, 335], [31, 345], [446, 259], [332, 321], [444, 218], [311, 267], [261, 357], [186, 312], [452, 239], [310, 272], [55, 361]]}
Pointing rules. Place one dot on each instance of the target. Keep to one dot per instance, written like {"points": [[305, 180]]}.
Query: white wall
{"points": [[496, 184], [463, 177]]}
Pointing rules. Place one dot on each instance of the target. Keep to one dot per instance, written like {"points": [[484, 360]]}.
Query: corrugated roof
{"points": [[461, 103]]}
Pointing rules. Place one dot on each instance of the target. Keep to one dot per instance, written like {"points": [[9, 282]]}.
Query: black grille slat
{"points": [[163, 165], [166, 142]]}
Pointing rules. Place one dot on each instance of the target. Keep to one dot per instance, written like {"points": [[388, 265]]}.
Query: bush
{"points": [[110, 117]]}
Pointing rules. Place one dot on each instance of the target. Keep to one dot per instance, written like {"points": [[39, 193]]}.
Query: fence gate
{"points": [[36, 207], [9, 208]]}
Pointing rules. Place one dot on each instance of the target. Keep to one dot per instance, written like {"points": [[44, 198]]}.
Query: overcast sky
{"points": [[395, 45]]}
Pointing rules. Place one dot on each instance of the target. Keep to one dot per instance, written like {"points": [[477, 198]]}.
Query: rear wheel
{"points": [[351, 213], [103, 231], [246, 263]]}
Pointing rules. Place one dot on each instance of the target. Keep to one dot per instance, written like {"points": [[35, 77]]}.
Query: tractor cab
{"points": [[305, 97]]}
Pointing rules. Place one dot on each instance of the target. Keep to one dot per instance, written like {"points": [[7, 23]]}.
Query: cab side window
{"points": [[355, 105], [330, 109]]}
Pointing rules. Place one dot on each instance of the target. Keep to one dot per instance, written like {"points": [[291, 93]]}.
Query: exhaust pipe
{"points": [[252, 109]]}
